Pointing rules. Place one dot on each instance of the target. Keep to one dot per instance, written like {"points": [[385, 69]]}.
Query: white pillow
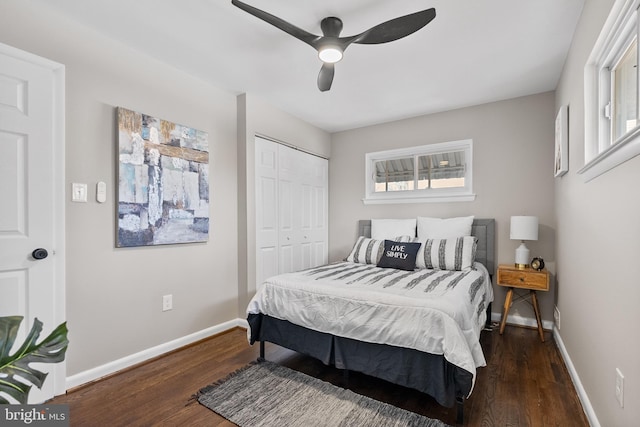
{"points": [[439, 228], [382, 229]]}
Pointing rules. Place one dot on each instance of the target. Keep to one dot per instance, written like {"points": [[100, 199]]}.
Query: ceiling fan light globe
{"points": [[330, 54]]}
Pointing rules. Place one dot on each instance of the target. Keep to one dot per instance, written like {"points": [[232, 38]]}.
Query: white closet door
{"points": [[300, 203], [314, 181], [306, 216], [266, 166], [319, 232], [289, 203]]}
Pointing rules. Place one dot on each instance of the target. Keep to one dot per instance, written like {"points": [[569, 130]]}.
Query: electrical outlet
{"points": [[167, 302], [556, 316], [620, 387]]}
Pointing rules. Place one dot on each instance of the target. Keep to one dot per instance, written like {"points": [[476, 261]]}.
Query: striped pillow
{"points": [[369, 251], [458, 253]]}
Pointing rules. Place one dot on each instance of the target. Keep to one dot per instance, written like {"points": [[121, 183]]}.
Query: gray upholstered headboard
{"points": [[483, 229]]}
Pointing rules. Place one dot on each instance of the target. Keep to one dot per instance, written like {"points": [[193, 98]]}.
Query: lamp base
{"points": [[522, 256]]}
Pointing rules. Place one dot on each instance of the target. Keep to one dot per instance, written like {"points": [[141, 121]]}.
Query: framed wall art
{"points": [[163, 182], [561, 163]]}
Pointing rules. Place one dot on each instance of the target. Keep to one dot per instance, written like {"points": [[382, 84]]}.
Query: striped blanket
{"points": [[435, 311]]}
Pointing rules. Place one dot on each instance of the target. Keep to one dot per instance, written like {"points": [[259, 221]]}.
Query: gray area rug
{"points": [[269, 395]]}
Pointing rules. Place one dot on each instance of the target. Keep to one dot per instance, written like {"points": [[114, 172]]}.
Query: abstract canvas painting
{"points": [[163, 182]]}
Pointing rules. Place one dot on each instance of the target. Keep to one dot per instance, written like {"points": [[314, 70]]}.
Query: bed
{"points": [[357, 316]]}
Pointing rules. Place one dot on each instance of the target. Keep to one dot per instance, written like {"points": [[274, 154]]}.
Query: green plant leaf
{"points": [[50, 350]]}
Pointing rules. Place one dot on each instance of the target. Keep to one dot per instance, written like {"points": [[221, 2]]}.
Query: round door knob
{"points": [[40, 253]]}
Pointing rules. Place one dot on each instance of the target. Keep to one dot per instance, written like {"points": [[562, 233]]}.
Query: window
{"points": [[612, 115], [625, 93], [429, 173]]}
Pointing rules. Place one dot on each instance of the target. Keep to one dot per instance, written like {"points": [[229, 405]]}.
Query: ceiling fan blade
{"points": [[296, 32], [396, 28], [325, 78]]}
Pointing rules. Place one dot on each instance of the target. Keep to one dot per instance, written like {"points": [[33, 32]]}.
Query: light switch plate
{"points": [[78, 192]]}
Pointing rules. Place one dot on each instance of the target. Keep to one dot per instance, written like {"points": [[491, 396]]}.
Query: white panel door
{"points": [[314, 180], [319, 232], [288, 196], [32, 198], [266, 165], [306, 220]]}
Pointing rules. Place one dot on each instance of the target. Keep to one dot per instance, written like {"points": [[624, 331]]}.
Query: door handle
{"points": [[40, 253]]}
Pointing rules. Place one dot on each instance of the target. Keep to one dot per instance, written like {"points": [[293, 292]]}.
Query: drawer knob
{"points": [[522, 279]]}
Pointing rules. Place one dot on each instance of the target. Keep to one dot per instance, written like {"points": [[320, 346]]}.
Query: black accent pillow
{"points": [[400, 255]]}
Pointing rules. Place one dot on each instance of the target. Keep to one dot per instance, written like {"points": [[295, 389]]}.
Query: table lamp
{"points": [[523, 228]]}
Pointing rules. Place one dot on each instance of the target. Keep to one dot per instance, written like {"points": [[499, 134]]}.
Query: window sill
{"points": [[625, 149], [419, 199]]}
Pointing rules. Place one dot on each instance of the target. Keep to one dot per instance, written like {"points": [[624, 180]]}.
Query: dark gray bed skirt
{"points": [[429, 373]]}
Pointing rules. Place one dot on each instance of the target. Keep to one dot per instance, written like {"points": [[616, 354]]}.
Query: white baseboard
{"points": [[582, 393], [133, 359], [515, 319]]}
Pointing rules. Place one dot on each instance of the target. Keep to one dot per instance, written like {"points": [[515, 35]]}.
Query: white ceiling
{"points": [[473, 52]]}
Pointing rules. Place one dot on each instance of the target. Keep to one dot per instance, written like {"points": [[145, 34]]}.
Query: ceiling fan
{"points": [[331, 47]]}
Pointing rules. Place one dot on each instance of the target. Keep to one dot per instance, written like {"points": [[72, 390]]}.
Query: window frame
{"points": [[429, 195], [601, 152]]}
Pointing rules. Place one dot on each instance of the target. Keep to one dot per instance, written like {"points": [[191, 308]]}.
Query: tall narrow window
{"points": [[625, 92], [612, 115]]}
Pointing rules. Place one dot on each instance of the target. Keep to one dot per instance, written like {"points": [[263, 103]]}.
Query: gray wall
{"points": [[598, 248], [513, 175]]}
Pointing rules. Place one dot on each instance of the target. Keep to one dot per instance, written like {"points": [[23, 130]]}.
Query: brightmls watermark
{"points": [[34, 415]]}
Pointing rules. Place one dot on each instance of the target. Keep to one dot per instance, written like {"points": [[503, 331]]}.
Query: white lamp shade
{"points": [[524, 228]]}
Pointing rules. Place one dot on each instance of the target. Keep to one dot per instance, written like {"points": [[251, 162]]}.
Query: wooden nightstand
{"points": [[528, 278]]}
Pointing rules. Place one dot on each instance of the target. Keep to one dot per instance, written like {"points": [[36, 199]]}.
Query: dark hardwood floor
{"points": [[525, 383]]}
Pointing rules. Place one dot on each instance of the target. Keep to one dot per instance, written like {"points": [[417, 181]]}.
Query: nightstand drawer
{"points": [[527, 279]]}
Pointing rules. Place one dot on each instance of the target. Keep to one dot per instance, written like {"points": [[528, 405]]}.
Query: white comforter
{"points": [[436, 311]]}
